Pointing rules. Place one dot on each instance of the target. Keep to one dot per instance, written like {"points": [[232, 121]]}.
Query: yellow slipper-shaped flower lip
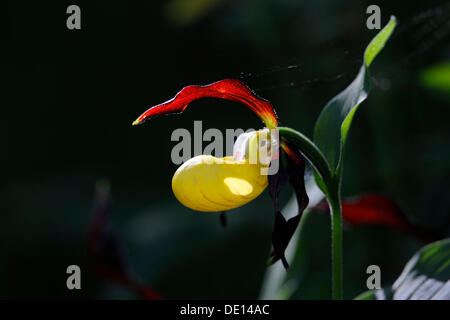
{"points": [[209, 184]]}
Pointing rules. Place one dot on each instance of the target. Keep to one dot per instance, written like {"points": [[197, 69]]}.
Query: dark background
{"points": [[68, 99]]}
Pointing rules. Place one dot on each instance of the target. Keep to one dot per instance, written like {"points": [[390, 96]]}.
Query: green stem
{"points": [[336, 245]]}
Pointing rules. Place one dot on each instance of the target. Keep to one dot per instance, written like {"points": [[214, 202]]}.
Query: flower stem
{"points": [[336, 246]]}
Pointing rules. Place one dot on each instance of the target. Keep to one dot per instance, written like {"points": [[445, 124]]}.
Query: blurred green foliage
{"points": [[437, 77], [69, 98]]}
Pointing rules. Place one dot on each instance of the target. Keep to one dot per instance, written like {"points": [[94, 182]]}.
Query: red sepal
{"points": [[229, 89]]}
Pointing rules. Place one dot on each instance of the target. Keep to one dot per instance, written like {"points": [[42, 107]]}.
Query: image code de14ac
{"points": [[228, 309]]}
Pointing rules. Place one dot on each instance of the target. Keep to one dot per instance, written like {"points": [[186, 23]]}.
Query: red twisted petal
{"points": [[229, 89]]}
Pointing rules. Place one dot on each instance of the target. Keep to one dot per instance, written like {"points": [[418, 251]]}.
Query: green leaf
{"points": [[378, 42], [333, 124], [425, 277]]}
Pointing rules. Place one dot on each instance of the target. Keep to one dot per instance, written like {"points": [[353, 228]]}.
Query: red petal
{"points": [[291, 153], [229, 89]]}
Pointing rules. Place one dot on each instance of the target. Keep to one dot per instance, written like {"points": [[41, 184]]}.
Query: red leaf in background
{"points": [[105, 251], [229, 89], [372, 209]]}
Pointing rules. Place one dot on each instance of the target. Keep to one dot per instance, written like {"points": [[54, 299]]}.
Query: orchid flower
{"points": [[209, 184]]}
